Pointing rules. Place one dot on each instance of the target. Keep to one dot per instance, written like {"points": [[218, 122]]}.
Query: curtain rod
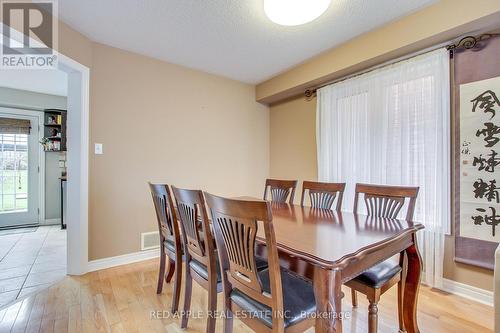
{"points": [[468, 42]]}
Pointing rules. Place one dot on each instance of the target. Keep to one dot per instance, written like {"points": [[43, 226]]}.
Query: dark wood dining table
{"points": [[340, 246]]}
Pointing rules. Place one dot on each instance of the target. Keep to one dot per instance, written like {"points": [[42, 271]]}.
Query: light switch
{"points": [[98, 149]]}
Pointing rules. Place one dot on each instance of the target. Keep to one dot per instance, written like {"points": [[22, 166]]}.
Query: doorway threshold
{"points": [[10, 227]]}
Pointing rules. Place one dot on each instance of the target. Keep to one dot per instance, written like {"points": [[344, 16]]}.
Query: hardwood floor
{"points": [[121, 299]]}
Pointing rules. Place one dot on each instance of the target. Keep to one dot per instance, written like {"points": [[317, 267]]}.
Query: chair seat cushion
{"points": [[169, 245], [261, 263], [298, 299], [378, 275], [202, 270]]}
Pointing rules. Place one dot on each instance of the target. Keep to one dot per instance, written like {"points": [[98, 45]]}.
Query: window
{"points": [[13, 172], [392, 126]]}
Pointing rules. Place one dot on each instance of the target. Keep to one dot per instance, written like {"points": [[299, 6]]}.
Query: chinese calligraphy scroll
{"points": [[476, 183], [480, 160]]}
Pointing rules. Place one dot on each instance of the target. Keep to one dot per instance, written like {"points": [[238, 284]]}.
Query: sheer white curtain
{"points": [[392, 126]]}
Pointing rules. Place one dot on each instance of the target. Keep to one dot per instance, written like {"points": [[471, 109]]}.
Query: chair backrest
{"points": [[195, 226], [281, 190], [165, 213], [322, 195], [235, 227], [386, 201]]}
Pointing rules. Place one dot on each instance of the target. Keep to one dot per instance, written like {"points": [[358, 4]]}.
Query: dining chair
{"points": [[281, 190], [170, 240], [201, 262], [384, 202], [323, 195], [257, 294]]}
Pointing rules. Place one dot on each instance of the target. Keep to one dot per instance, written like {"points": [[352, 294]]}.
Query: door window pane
{"points": [[13, 172]]}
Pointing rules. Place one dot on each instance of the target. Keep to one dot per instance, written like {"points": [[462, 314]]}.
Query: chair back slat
{"points": [[323, 200], [383, 206], [239, 239], [323, 195], [195, 225], [165, 212], [235, 225], [386, 201], [281, 190], [188, 215], [279, 194]]}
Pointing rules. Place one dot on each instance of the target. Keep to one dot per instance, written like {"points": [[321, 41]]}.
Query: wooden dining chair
{"points": [[384, 202], [281, 190], [258, 295], [170, 240], [201, 262], [323, 195]]}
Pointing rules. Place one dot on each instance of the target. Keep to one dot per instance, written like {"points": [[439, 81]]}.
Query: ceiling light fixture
{"points": [[294, 12]]}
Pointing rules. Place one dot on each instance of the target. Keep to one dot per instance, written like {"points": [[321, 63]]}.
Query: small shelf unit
{"points": [[55, 129]]}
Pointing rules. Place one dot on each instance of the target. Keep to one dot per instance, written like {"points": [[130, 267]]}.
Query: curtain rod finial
{"points": [[310, 94]]}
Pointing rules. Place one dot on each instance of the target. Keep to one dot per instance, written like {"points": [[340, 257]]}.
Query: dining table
{"points": [[340, 246]]}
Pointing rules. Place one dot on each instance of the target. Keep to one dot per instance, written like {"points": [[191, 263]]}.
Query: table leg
{"points": [[411, 288], [328, 294]]}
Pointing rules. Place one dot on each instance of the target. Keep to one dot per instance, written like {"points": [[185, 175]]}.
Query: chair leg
{"points": [[372, 317], [401, 290], [177, 286], [187, 297], [171, 270], [293, 265], [212, 307], [354, 297], [161, 274], [228, 322]]}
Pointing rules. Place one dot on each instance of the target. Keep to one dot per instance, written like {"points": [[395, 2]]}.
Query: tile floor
{"points": [[31, 261]]}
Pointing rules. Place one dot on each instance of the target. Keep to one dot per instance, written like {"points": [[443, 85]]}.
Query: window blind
{"points": [[14, 126]]}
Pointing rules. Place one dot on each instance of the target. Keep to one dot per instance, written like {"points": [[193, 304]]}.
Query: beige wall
{"points": [[293, 155], [163, 94], [293, 141], [141, 108], [165, 123], [74, 45], [434, 24]]}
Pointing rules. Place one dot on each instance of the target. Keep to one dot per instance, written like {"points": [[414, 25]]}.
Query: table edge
{"points": [[343, 261]]}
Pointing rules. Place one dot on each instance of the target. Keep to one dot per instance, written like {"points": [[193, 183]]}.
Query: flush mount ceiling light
{"points": [[294, 12]]}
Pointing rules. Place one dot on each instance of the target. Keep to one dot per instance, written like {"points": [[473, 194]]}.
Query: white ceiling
{"points": [[53, 82], [232, 38]]}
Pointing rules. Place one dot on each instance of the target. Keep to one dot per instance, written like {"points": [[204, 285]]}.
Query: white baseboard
{"points": [[125, 259], [470, 292]]}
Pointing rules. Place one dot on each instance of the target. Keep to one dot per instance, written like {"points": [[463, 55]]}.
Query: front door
{"points": [[19, 174]]}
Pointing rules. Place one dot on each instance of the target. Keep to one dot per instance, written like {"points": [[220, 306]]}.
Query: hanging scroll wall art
{"points": [[477, 150], [480, 160]]}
